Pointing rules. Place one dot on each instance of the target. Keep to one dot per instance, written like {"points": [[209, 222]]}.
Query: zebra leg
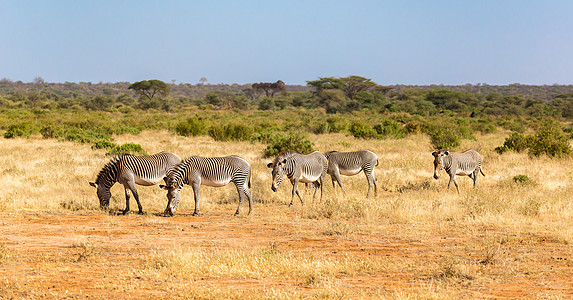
{"points": [[131, 186], [247, 192], [371, 182], [295, 191], [242, 193], [126, 210], [339, 181], [196, 196], [456, 184]]}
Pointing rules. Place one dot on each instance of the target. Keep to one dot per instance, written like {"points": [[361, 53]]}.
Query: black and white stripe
{"points": [[467, 163], [351, 163], [211, 171], [299, 168], [130, 170]]}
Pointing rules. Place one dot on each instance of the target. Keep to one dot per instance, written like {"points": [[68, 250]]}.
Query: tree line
{"points": [[333, 94]]}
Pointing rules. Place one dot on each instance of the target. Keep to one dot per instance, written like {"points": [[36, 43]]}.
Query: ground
{"points": [[102, 255]]}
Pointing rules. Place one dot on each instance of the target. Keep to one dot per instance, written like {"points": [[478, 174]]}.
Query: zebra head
{"points": [[173, 199], [173, 196], [103, 194], [439, 161], [277, 173]]}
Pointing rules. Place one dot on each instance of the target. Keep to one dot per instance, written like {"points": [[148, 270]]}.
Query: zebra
{"points": [[465, 163], [351, 163], [210, 171], [299, 168], [130, 170]]}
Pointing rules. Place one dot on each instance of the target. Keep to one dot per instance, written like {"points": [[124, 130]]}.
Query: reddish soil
{"points": [[45, 255]]}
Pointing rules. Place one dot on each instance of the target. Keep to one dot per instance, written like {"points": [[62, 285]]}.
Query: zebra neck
{"points": [[289, 169], [447, 164]]}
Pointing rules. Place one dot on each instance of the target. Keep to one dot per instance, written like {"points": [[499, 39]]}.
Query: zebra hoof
{"points": [[124, 212], [141, 212], [195, 214]]}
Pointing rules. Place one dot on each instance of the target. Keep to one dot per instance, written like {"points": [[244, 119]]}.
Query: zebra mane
{"points": [[177, 172], [284, 155], [110, 169]]}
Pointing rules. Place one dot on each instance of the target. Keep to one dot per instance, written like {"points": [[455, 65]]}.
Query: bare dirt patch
{"points": [[96, 255]]}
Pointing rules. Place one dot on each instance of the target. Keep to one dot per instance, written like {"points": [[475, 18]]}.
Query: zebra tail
{"points": [[481, 171], [251, 174]]}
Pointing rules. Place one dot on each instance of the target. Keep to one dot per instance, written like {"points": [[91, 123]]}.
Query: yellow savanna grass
{"points": [[39, 175]]}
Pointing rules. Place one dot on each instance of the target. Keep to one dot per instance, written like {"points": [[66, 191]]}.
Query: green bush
{"points": [[191, 127], [549, 140], [231, 132], [515, 142], [362, 131], [444, 138], [523, 179], [390, 128], [104, 144], [18, 130], [280, 143], [129, 148]]}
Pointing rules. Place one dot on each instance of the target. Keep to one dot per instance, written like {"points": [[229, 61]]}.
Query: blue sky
{"points": [[391, 42]]}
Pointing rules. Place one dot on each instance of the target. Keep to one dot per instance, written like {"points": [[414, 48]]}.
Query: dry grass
{"points": [[415, 240]]}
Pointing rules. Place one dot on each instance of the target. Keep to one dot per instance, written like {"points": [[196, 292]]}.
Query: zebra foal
{"points": [[130, 170], [210, 171], [467, 163]]}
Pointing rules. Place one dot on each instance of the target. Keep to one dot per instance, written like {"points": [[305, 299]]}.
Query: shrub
{"points": [[231, 132], [104, 144], [390, 128], [129, 148], [280, 143], [17, 130], [515, 142], [361, 130], [521, 179], [549, 140], [444, 138], [191, 127]]}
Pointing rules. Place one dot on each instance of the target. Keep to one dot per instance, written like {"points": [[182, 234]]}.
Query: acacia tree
{"points": [[150, 88], [356, 84], [269, 88]]}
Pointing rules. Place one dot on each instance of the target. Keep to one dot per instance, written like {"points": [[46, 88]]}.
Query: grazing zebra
{"points": [[210, 171], [467, 163], [299, 168], [351, 163], [130, 170]]}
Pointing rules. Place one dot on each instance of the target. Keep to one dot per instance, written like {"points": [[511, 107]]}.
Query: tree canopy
{"points": [[150, 88]]}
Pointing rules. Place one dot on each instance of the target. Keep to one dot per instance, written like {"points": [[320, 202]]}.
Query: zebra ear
{"points": [[435, 153], [269, 165], [447, 152], [164, 187], [93, 184], [284, 161]]}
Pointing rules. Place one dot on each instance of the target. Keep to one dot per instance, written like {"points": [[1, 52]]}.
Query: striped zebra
{"points": [[467, 163], [299, 168], [130, 170], [210, 171], [351, 163]]}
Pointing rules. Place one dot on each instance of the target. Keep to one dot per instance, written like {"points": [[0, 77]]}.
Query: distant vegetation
{"points": [[276, 113]]}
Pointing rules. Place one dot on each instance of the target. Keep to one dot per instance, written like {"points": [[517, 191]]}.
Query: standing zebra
{"points": [[299, 168], [467, 163], [210, 171], [351, 163], [130, 170]]}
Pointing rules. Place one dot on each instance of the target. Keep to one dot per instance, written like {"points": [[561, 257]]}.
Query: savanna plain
{"points": [[414, 240]]}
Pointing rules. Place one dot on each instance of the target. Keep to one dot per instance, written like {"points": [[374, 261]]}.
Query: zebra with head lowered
{"points": [[299, 168], [351, 163], [130, 170], [210, 171], [467, 163]]}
